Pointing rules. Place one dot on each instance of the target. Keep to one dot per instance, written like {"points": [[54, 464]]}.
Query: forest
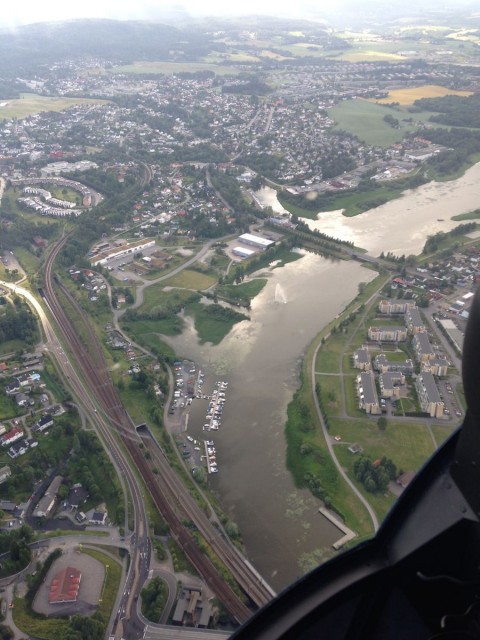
{"points": [[455, 111], [18, 323]]}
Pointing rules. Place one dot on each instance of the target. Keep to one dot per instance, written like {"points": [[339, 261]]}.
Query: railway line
{"points": [[169, 494]]}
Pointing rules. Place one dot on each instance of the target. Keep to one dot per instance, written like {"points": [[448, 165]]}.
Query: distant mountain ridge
{"points": [[35, 45]]}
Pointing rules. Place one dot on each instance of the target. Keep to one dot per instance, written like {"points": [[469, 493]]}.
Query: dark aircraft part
{"points": [[419, 577]]}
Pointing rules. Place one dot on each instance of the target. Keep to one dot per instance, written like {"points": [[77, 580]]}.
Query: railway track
{"points": [[170, 496]]}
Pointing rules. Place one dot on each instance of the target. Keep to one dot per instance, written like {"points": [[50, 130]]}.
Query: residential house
{"points": [[18, 449], [47, 502], [12, 436], [77, 495], [99, 518], [22, 400], [12, 387], [44, 423]]}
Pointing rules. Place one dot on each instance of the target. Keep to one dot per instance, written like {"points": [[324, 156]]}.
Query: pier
{"points": [[348, 534]]}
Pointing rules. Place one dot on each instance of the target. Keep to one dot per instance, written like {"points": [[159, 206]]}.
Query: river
{"points": [[283, 532], [400, 226], [261, 359]]}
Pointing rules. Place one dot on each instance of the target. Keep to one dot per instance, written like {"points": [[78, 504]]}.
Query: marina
{"points": [[213, 421], [213, 417]]}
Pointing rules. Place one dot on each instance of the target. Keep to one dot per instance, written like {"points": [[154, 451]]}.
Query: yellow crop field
{"points": [[406, 97], [272, 55], [369, 55]]}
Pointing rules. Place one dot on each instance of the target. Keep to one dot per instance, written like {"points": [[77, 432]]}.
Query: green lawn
{"points": [[328, 357], [190, 279], [242, 293], [365, 120], [408, 444], [157, 299]]}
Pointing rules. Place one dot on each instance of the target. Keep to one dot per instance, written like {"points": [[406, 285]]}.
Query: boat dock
{"points": [[210, 455]]}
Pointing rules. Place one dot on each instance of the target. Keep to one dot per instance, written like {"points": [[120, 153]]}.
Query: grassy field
{"points": [[173, 67], [156, 297], [241, 293], [30, 103], [364, 119], [210, 326], [190, 279]]}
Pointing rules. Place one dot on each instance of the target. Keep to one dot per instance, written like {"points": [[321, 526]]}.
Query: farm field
{"points": [[30, 103], [156, 67], [406, 97], [364, 119]]}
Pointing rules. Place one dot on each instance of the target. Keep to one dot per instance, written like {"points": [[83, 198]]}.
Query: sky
{"points": [[30, 11]]}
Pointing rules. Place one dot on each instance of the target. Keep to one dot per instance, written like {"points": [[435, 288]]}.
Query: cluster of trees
{"points": [[154, 598], [16, 544], [262, 163], [390, 120], [18, 323], [90, 466], [167, 307], [250, 85], [434, 242], [461, 144], [319, 242], [202, 152], [374, 476], [85, 628], [454, 111], [103, 181], [19, 232], [228, 186]]}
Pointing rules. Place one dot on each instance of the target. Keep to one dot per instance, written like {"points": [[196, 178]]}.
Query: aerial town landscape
{"points": [[238, 258]]}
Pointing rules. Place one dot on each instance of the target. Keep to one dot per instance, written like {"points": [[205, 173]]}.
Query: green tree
{"points": [[382, 423]]}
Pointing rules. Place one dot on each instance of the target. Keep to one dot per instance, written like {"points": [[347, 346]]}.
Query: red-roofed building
{"points": [[12, 436], [65, 586]]}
